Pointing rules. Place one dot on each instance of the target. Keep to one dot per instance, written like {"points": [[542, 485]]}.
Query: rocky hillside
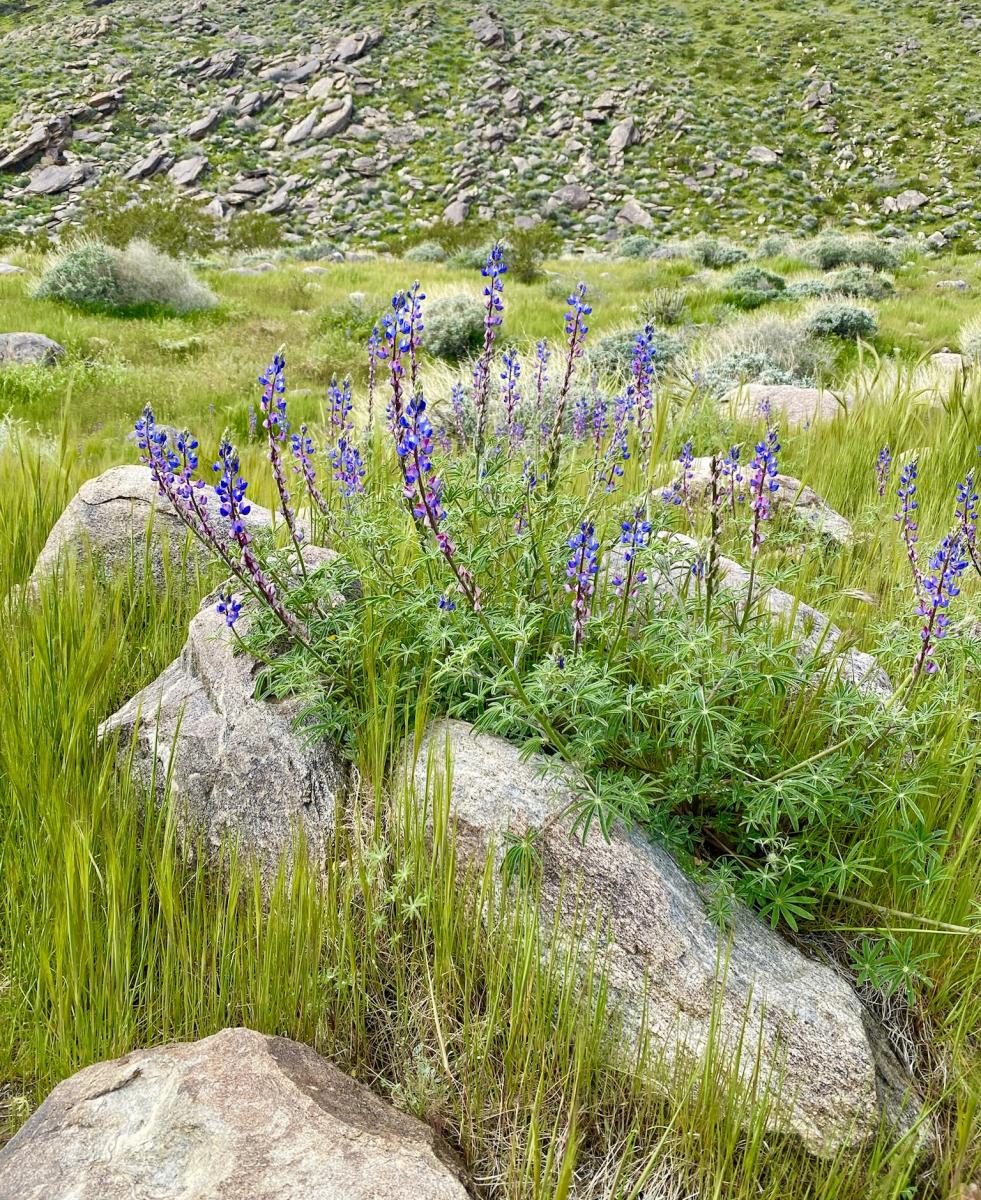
{"points": [[358, 121]]}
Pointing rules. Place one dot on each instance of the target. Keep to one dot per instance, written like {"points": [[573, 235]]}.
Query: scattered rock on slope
{"points": [[662, 951], [239, 1115]]}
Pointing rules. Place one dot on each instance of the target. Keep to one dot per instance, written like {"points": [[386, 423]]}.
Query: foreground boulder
{"points": [[28, 350], [805, 503], [664, 958], [793, 407], [110, 516], [238, 1115], [240, 770]]}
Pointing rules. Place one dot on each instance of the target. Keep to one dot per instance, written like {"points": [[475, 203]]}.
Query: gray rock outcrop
{"points": [[238, 1115], [110, 516], [242, 771], [28, 350], [664, 959]]}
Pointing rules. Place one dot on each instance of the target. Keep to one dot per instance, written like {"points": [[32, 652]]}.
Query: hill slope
{"points": [[709, 113]]}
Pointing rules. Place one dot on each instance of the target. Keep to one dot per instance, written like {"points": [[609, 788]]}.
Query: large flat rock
{"points": [[236, 1116]]}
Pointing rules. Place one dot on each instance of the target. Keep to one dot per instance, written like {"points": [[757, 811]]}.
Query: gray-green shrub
{"points": [[751, 287], [716, 252], [93, 275], [426, 252], [613, 354], [843, 321], [830, 250], [454, 326], [636, 245], [83, 276]]}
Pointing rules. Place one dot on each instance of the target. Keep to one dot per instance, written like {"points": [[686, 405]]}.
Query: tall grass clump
{"points": [[101, 277]]}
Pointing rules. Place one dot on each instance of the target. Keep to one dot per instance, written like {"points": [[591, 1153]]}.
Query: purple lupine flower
{"points": [[253, 422], [635, 535], [423, 490], [303, 451], [731, 472], [400, 335], [339, 404], [576, 330], [349, 470], [542, 355], [967, 519], [581, 572], [618, 449], [511, 396], [376, 353], [276, 425], [458, 399], [939, 588], [883, 466], [580, 417], [493, 270], [229, 607], [599, 423], [909, 529], [680, 491], [233, 507], [642, 370], [762, 485]]}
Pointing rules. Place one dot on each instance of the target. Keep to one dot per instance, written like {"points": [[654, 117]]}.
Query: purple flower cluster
{"points": [[762, 485], [581, 572], [642, 370], [883, 467], [423, 490], [618, 448], [401, 332], [542, 355], [680, 491], [172, 469], [635, 534], [339, 404], [493, 270], [909, 528], [967, 519], [732, 474], [939, 588], [274, 421], [511, 397], [576, 330]]}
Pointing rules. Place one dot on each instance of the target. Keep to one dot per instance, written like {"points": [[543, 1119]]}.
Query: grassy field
{"points": [[109, 939]]}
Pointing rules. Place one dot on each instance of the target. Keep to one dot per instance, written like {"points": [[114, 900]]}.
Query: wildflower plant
{"points": [[535, 594]]}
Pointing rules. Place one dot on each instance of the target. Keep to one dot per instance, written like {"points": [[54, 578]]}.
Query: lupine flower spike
{"points": [[680, 491], [576, 330], [762, 485], [276, 425], [493, 270], [581, 572], [883, 466], [908, 525], [939, 588], [967, 519], [423, 490]]}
